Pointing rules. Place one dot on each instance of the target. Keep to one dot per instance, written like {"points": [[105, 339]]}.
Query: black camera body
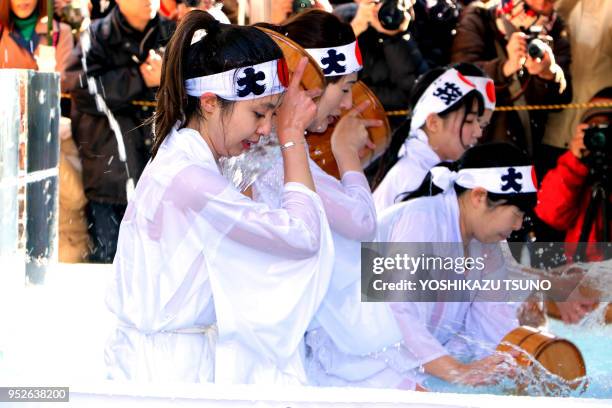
{"points": [[598, 138]]}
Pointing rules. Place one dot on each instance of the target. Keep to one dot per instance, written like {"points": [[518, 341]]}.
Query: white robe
{"points": [[350, 343], [193, 251], [416, 159], [434, 329]]}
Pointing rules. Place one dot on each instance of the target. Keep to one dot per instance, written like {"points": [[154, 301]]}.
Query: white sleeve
{"points": [[421, 344], [269, 270], [348, 203]]}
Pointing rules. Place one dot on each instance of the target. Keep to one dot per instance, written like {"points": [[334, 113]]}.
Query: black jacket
{"points": [[113, 61], [390, 64]]}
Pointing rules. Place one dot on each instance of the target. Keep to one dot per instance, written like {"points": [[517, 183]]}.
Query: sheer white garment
{"points": [[433, 329], [193, 251], [348, 342], [416, 159]]}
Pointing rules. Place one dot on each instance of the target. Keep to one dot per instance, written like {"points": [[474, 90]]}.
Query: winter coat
{"points": [[479, 41], [15, 55], [117, 50]]}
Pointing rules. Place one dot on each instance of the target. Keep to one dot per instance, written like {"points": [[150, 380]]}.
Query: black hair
{"points": [[398, 137], [315, 29], [224, 47], [484, 156], [469, 69]]}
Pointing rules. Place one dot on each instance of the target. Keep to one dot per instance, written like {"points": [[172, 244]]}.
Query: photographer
{"points": [[505, 40], [567, 190], [391, 58], [434, 29], [124, 64]]}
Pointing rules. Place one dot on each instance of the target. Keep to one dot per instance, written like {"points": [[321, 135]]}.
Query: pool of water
{"points": [[594, 342], [56, 335]]}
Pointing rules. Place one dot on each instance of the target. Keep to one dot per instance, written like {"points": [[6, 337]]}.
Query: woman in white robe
{"points": [[475, 206], [355, 328], [436, 132], [195, 256]]}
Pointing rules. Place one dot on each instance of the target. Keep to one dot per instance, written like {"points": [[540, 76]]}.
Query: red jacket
{"points": [[563, 198]]}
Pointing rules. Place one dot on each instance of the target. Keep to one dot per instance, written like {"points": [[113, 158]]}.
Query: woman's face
{"points": [[458, 133], [23, 8], [235, 131], [494, 222], [545, 7], [337, 96]]}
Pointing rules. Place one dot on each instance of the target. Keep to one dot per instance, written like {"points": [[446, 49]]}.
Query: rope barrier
{"points": [[497, 109]]}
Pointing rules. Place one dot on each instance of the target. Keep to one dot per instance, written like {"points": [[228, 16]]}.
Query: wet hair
{"points": [[224, 47], [398, 137], [484, 156], [6, 15], [315, 29]]}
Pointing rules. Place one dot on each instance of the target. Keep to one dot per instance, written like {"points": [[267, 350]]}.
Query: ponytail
{"points": [[221, 47], [173, 103]]}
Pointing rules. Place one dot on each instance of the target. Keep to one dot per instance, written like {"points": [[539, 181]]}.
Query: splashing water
{"points": [[243, 170]]}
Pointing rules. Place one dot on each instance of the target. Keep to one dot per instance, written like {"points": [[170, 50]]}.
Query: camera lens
{"points": [[302, 5], [536, 48], [391, 14]]}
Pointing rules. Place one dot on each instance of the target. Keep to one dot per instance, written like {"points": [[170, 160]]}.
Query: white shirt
{"points": [[192, 250], [345, 333], [433, 329], [416, 159]]}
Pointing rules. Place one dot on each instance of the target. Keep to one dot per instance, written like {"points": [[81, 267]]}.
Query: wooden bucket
{"points": [[320, 143], [559, 356], [293, 53]]}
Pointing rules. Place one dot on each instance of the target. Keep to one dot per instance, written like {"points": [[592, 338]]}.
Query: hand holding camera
{"points": [[577, 146], [517, 53]]}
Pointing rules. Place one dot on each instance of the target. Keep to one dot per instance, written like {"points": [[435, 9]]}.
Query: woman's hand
{"points": [[350, 136], [297, 110], [487, 371]]}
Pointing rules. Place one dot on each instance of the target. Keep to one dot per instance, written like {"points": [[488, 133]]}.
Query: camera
{"points": [[302, 5], [537, 41], [598, 138], [392, 13]]}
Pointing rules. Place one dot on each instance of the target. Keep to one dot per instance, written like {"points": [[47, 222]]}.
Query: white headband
{"points": [[497, 180], [256, 81], [486, 87], [448, 89], [334, 61]]}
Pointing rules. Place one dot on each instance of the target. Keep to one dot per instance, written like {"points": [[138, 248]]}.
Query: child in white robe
{"points": [[195, 256], [423, 141]]}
